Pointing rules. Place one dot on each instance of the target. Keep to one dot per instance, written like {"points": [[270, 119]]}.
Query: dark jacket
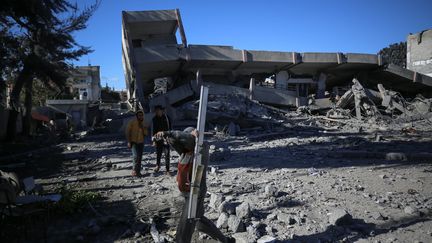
{"points": [[181, 142], [184, 144], [161, 124]]}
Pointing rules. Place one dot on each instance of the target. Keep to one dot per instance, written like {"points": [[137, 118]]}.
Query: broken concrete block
{"points": [[340, 217], [410, 210], [227, 207], [270, 190], [266, 239], [243, 237], [222, 221], [235, 224], [243, 210], [216, 200], [377, 216]]}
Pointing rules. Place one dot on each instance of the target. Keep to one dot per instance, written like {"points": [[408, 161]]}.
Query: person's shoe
{"points": [[157, 169]]}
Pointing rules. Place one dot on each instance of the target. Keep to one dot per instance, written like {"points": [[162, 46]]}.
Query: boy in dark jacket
{"points": [[161, 122]]}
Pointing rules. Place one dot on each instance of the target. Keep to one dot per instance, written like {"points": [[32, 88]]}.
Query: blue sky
{"points": [[358, 26]]}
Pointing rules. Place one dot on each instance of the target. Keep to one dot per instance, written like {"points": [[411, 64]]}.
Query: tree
{"points": [[44, 30], [109, 95], [395, 54]]}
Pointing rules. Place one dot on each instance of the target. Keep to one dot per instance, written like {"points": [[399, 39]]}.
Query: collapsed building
{"points": [[161, 71]]}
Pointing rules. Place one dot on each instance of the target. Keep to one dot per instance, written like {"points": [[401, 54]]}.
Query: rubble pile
{"points": [[373, 110], [233, 113]]}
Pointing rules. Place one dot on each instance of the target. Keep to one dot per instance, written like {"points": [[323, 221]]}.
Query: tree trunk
{"points": [[28, 88], [24, 76]]}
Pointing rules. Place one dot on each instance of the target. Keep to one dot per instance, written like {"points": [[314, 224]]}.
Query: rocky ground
{"points": [[312, 180]]}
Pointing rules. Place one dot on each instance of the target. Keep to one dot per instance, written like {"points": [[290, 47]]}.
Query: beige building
{"points": [[86, 80]]}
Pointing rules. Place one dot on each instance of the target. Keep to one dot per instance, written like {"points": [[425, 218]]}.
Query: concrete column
{"points": [[321, 86], [251, 88]]}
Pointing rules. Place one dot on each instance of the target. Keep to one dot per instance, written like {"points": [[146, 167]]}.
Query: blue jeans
{"points": [[137, 152]]}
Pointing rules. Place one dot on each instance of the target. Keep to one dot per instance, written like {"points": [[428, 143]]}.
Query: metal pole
{"points": [[198, 168]]}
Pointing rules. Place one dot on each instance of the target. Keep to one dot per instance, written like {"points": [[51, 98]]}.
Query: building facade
{"points": [[419, 52], [85, 82]]}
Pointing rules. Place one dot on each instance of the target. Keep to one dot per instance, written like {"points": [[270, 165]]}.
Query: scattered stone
{"points": [[383, 176], [410, 210], [286, 218], [222, 221], [243, 210], [270, 190], [266, 239], [216, 200], [235, 224], [243, 237], [213, 170], [340, 217], [227, 207], [272, 216], [377, 216]]}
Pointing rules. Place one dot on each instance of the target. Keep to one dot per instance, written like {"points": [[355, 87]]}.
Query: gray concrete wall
{"points": [[419, 52], [72, 107], [274, 96]]}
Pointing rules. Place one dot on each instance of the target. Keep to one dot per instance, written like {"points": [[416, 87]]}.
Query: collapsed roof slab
{"points": [[400, 79], [157, 61], [144, 23], [351, 64], [265, 61], [206, 57], [310, 63]]}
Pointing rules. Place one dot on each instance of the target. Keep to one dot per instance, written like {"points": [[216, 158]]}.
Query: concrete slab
{"points": [[274, 96], [149, 16], [402, 80]]}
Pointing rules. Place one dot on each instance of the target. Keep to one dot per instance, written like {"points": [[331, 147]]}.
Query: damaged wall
{"points": [[419, 52]]}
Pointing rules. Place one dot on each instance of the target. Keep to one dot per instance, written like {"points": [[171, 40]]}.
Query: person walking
{"points": [[161, 122], [136, 131]]}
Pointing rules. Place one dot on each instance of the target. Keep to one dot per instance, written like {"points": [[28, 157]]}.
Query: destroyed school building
{"points": [[161, 71]]}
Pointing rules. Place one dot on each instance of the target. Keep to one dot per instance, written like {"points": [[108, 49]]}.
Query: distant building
{"points": [[419, 52], [85, 84], [86, 80]]}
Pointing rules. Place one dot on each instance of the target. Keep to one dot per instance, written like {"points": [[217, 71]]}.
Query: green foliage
{"points": [[108, 95], [395, 54], [74, 201]]}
